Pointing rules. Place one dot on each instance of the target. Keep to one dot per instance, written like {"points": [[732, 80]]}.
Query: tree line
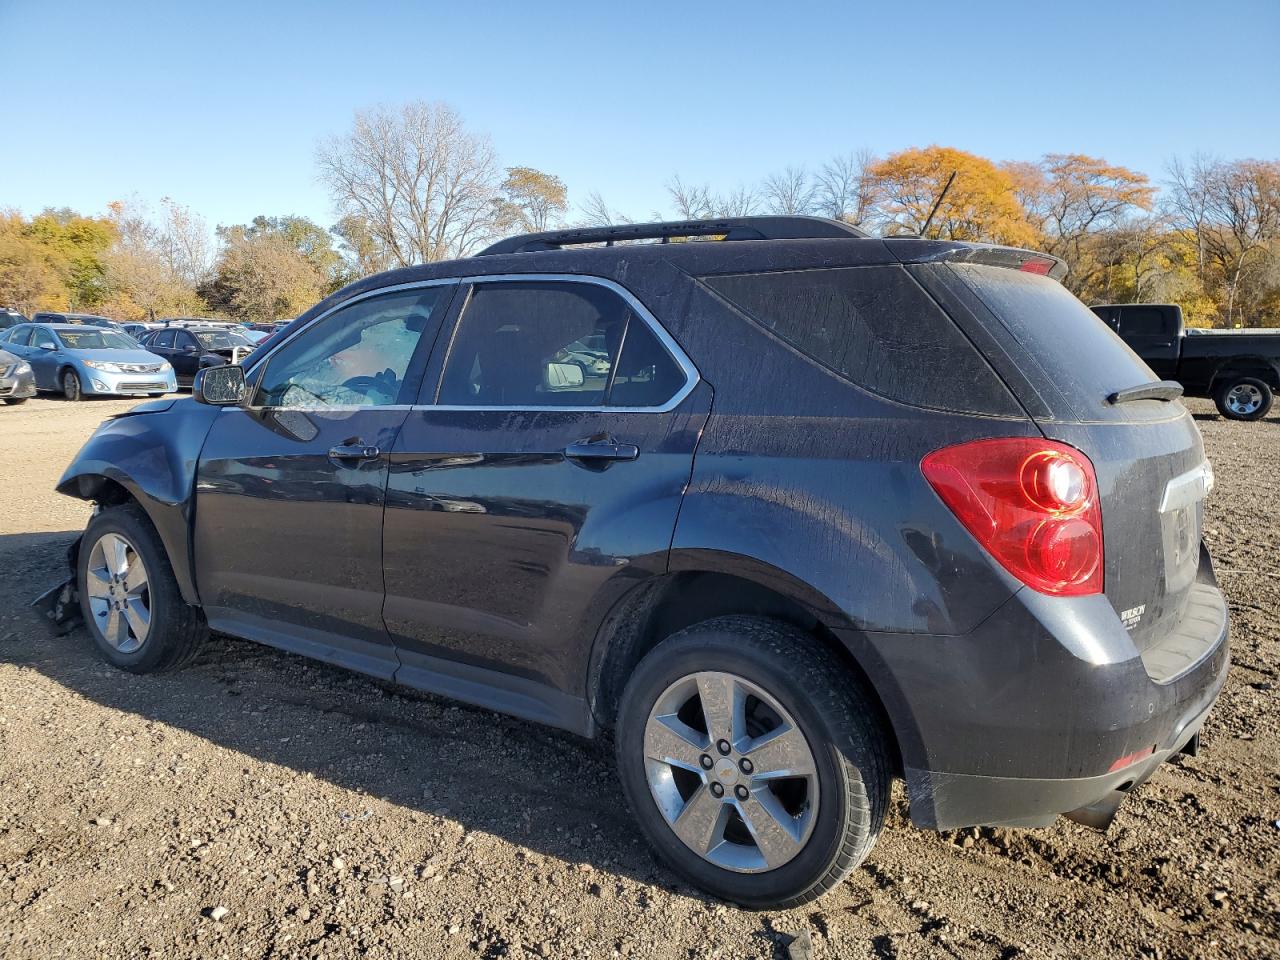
{"points": [[415, 184]]}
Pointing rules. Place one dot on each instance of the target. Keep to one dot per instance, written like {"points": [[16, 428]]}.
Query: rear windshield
{"points": [[1076, 350], [876, 327]]}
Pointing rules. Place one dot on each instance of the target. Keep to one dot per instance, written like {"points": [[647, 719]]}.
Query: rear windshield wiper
{"points": [[1160, 390]]}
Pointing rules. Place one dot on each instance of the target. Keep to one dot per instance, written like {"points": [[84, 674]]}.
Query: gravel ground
{"points": [[260, 805]]}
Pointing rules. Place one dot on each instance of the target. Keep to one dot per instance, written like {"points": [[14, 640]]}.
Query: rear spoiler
{"points": [[915, 250]]}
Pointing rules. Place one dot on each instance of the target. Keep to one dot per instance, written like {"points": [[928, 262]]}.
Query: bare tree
{"points": [[595, 212], [1233, 211], [423, 182], [184, 243], [694, 202], [844, 189], [789, 192]]}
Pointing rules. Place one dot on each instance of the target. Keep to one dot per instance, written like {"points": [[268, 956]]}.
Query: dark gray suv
{"points": [[789, 510]]}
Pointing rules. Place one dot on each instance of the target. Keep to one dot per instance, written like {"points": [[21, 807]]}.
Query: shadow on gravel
{"points": [[548, 791]]}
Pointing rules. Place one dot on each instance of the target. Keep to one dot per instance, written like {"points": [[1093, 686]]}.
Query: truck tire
{"points": [[768, 805], [129, 598], [1243, 398]]}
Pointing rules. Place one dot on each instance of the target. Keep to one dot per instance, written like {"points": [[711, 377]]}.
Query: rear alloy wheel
{"points": [[754, 760], [737, 782], [71, 386], [1244, 398]]}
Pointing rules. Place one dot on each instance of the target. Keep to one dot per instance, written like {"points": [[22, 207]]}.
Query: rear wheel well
{"points": [[1258, 369], [660, 608]]}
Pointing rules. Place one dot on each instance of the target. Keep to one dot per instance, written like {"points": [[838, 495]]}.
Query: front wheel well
{"points": [[103, 491], [666, 605]]}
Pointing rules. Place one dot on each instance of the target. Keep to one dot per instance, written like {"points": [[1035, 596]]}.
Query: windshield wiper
{"points": [[1160, 390]]}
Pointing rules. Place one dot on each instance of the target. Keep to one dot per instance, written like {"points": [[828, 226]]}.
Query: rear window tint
{"points": [[876, 327], [1077, 351]]}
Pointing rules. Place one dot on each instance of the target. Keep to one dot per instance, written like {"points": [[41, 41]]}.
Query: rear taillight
{"points": [[1033, 504]]}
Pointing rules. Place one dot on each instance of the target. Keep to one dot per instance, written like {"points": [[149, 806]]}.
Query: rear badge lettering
{"points": [[1131, 616]]}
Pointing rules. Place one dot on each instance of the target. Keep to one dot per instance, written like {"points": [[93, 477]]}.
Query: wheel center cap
{"points": [[725, 770]]}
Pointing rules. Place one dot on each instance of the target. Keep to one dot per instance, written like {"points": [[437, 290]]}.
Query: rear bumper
{"points": [[1027, 717]]}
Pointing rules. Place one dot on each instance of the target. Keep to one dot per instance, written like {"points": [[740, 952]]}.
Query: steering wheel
{"points": [[386, 383]]}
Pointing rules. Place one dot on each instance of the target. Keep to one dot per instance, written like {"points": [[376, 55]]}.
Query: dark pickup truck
{"points": [[1238, 369]]}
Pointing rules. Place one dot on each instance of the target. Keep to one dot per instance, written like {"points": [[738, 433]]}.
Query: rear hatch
{"points": [[1063, 364]]}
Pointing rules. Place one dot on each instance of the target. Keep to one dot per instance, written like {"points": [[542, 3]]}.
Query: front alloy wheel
{"points": [[71, 386], [119, 592], [731, 772]]}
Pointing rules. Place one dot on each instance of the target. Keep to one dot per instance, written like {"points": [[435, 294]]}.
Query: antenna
{"points": [[936, 204]]}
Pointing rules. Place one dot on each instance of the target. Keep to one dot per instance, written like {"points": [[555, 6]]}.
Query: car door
{"points": [[1152, 333], [44, 362], [18, 342], [160, 342], [290, 486], [184, 357], [533, 482]]}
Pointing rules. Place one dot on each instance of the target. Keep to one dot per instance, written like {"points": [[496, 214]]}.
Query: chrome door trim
{"points": [[394, 288]]}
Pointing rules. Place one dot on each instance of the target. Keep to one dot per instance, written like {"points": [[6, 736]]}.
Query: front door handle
{"points": [[601, 448], [354, 450]]}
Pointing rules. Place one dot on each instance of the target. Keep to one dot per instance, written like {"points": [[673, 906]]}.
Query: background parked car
{"points": [[138, 330], [192, 348], [10, 318], [17, 382], [85, 319], [1238, 369], [79, 360]]}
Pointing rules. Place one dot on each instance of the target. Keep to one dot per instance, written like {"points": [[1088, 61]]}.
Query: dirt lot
{"points": [[334, 816]]}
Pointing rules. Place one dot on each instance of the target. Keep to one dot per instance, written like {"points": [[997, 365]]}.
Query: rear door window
{"points": [[555, 344], [876, 327]]}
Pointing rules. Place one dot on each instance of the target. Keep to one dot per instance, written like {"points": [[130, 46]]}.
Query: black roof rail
{"points": [[732, 228]]}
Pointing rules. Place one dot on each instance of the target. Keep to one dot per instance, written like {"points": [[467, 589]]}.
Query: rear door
{"points": [[290, 488], [544, 472], [1063, 365], [45, 363], [1152, 333]]}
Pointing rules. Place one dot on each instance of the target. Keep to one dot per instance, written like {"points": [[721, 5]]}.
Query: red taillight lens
{"points": [[1033, 504], [1040, 265]]}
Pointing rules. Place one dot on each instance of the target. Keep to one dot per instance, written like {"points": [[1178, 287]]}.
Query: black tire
{"points": [[155, 395], [14, 401], [177, 630], [1258, 389], [834, 712], [71, 388]]}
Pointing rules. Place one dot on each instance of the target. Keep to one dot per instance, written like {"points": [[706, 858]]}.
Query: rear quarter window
{"points": [[876, 327]]}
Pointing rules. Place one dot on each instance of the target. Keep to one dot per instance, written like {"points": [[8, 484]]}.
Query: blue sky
{"points": [[220, 105]]}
